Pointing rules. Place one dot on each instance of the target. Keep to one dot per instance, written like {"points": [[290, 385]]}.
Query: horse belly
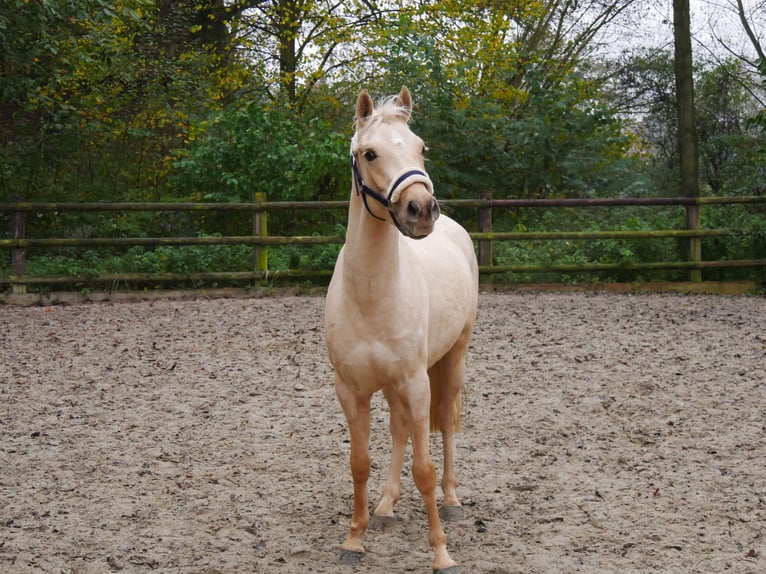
{"points": [[451, 273], [451, 317]]}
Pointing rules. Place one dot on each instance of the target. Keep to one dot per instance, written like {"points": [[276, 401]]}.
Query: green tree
{"points": [[54, 67], [730, 142], [265, 148], [500, 119], [296, 45], [96, 94]]}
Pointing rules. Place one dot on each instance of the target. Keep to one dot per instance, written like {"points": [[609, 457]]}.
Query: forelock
{"points": [[386, 111]]}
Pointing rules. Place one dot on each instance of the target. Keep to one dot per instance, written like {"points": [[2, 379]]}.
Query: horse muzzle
{"points": [[416, 211]]}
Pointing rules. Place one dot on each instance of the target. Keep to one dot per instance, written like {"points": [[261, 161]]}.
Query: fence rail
{"points": [[256, 206], [18, 243]]}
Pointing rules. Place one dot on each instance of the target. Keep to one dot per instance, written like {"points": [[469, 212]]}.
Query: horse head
{"points": [[388, 165]]}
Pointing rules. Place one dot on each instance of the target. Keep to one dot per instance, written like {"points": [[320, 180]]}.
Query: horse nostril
{"points": [[435, 211], [413, 209]]}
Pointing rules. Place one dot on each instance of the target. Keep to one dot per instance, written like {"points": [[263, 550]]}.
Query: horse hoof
{"points": [[350, 556], [451, 514], [382, 523], [450, 570]]}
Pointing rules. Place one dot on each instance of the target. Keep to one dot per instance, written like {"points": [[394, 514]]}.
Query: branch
{"points": [[749, 31]]}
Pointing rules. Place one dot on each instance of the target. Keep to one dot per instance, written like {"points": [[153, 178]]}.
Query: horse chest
{"points": [[369, 363]]}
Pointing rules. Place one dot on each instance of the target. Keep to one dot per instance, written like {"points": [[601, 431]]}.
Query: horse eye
{"points": [[425, 149], [370, 155]]}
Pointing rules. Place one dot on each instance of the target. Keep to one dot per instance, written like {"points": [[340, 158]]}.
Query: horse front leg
{"points": [[357, 411], [383, 517], [416, 400]]}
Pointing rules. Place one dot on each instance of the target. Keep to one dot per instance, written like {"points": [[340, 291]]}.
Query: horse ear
{"points": [[404, 99], [364, 105]]}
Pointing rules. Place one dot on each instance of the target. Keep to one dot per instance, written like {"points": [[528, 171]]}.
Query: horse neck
{"points": [[371, 252]]}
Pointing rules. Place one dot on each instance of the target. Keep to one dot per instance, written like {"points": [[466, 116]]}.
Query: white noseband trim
{"points": [[400, 183]]}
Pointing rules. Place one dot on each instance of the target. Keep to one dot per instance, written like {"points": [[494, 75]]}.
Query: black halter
{"points": [[385, 200]]}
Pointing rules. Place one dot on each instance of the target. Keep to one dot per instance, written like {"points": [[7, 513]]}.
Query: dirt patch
{"points": [[602, 433]]}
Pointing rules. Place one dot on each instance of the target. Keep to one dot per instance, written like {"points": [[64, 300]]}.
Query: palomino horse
{"points": [[399, 315]]}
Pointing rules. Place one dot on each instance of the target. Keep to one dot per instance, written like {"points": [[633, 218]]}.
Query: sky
{"points": [[714, 23]]}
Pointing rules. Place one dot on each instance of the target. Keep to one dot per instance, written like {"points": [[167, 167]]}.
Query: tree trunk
{"points": [[687, 132], [288, 17]]}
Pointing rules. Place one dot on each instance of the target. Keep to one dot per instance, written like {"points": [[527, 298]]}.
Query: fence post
{"points": [[485, 226], [260, 229], [694, 244], [18, 257]]}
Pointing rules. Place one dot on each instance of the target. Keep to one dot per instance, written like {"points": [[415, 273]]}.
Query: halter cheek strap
{"points": [[363, 189], [403, 180]]}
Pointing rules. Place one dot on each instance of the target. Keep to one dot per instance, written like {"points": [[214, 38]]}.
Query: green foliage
{"points": [[539, 132], [168, 259], [205, 101], [64, 68], [758, 122], [750, 244], [313, 257], [597, 251], [141, 260], [731, 145], [269, 149], [94, 95]]}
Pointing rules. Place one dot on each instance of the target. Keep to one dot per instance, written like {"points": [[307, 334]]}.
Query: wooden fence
{"points": [[18, 243]]}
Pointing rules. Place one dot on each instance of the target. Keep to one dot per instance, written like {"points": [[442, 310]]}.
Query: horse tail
{"points": [[437, 397]]}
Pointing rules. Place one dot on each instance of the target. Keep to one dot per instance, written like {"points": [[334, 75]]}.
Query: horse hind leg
{"points": [[383, 517], [447, 381]]}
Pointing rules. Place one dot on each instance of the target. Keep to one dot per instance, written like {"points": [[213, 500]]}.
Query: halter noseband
{"points": [[406, 178]]}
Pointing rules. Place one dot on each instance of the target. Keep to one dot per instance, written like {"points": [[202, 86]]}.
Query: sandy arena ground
{"points": [[602, 434]]}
